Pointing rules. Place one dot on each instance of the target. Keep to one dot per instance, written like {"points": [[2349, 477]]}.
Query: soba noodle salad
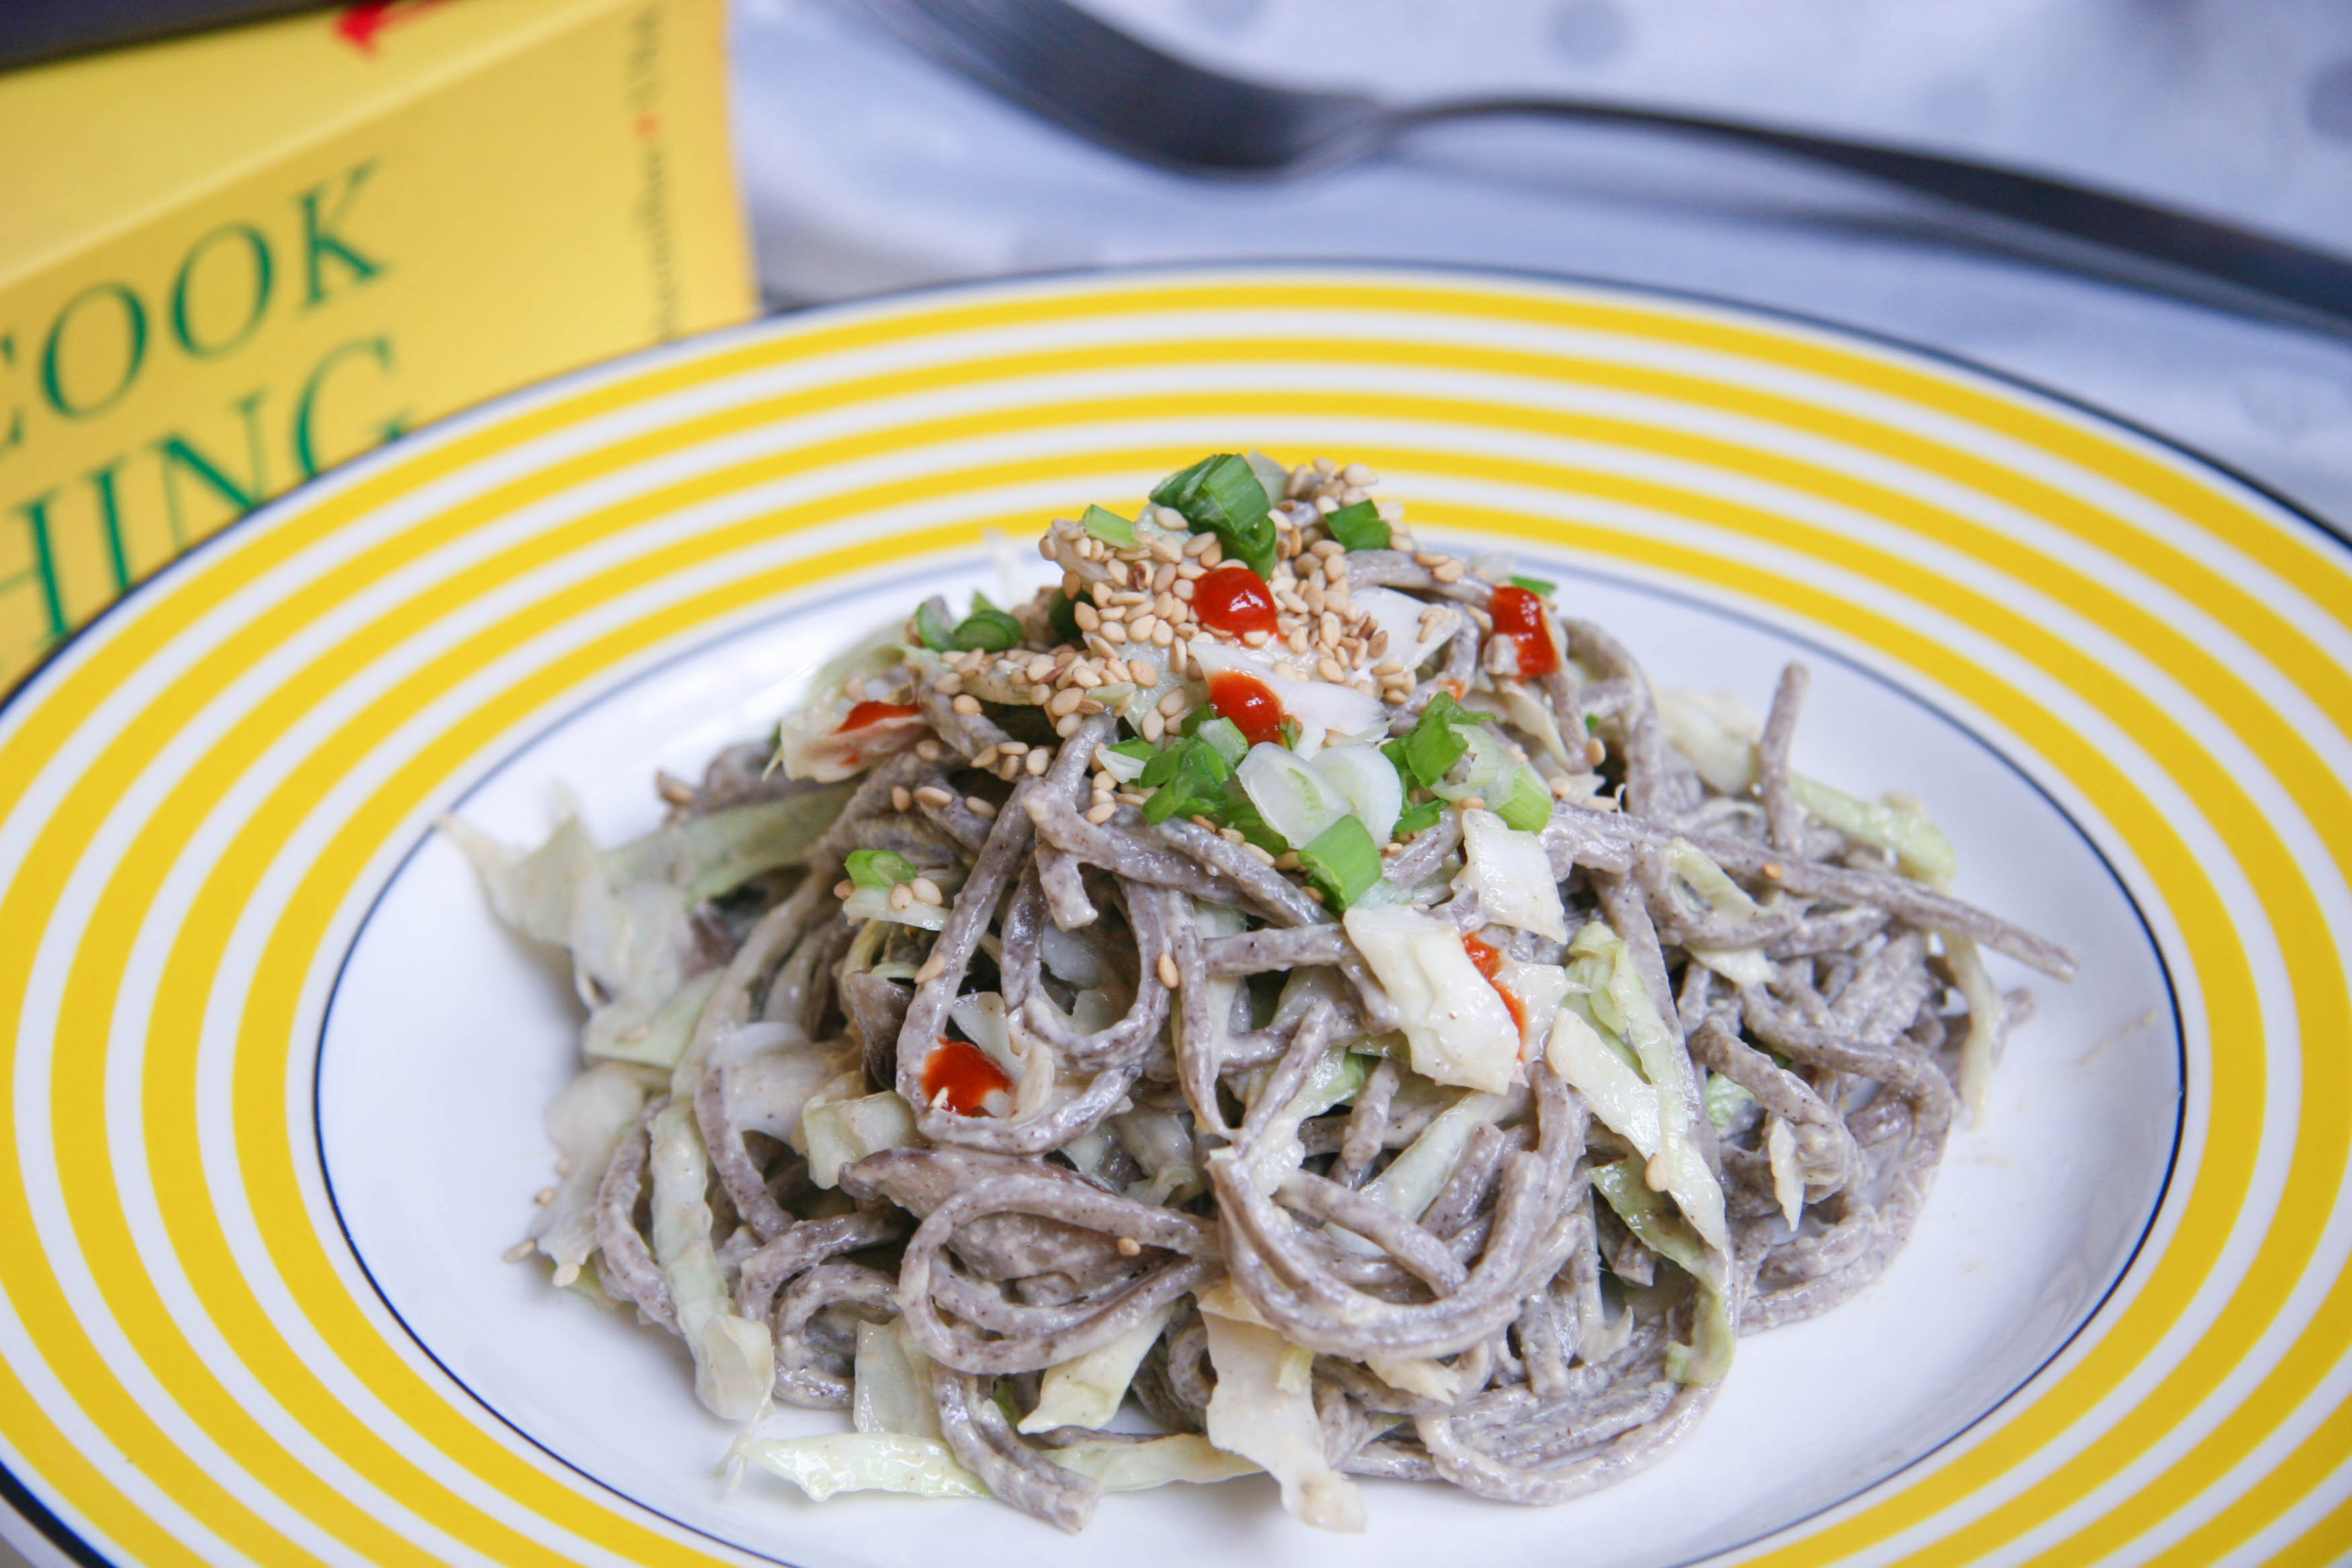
{"points": [[1283, 999]]}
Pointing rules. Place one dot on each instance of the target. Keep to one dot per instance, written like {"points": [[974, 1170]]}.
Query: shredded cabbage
{"points": [[1613, 998], [845, 1131], [1157, 1462], [1086, 1390], [1511, 875], [585, 1122], [734, 1358], [1649, 1216], [1458, 1028], [1263, 1410]]}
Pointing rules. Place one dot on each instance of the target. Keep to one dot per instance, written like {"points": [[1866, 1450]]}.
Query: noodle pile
{"points": [[1432, 1087]]}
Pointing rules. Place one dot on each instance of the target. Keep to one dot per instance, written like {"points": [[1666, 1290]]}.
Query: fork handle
{"points": [[2278, 268]]}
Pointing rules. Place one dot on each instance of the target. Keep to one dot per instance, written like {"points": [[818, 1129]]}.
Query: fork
{"points": [[1067, 66]]}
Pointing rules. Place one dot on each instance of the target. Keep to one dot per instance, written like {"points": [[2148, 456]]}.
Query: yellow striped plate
{"points": [[273, 1083]]}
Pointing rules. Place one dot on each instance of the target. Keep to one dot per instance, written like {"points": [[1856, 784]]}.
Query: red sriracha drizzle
{"points": [[1249, 702], [1488, 960], [1235, 601], [964, 1071], [866, 713], [1519, 615]]}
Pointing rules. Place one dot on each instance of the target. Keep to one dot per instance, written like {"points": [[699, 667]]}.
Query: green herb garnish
{"points": [[987, 629], [933, 628], [1220, 495], [1241, 813], [1423, 756], [880, 868], [1526, 802], [1062, 614], [1343, 861], [1185, 780], [1109, 526], [1359, 527], [1420, 818], [1534, 585]]}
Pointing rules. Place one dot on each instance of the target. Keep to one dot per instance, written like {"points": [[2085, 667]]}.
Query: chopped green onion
{"points": [[1290, 732], [1062, 614], [1527, 804], [987, 629], [1593, 723], [1185, 780], [1220, 494], [1343, 861], [1224, 737], [1107, 526], [1141, 751], [1359, 527], [1420, 818], [1423, 757], [880, 868], [1242, 814], [1533, 585], [933, 627]]}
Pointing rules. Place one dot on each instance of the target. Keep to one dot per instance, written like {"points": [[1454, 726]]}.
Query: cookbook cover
{"points": [[231, 261]]}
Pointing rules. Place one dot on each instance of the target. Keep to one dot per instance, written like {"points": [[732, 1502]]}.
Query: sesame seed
{"points": [[1231, 835], [901, 798], [1256, 639], [1172, 704], [1041, 667], [984, 808], [985, 757], [1102, 811], [1113, 632], [1143, 627], [1595, 753], [1127, 1245], [1085, 616], [949, 684], [1391, 851], [902, 897], [1328, 668], [1068, 724], [967, 703], [1326, 504], [1130, 797], [1039, 761], [544, 1197], [1170, 977], [1199, 543], [1286, 861], [1335, 570], [1009, 769], [1259, 854], [1427, 558], [1358, 474], [1451, 572], [1326, 548], [1012, 748], [1186, 576], [1200, 820], [1655, 1174], [927, 891], [1063, 701], [930, 969], [1101, 592], [932, 794], [1472, 802], [1314, 893], [520, 1251], [1771, 870], [1154, 726]]}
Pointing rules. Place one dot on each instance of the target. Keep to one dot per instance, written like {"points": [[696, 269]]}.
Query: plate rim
{"points": [[27, 1508]]}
